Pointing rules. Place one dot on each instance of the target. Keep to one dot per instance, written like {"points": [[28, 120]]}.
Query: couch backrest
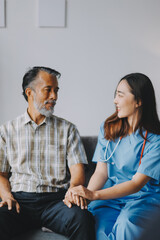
{"points": [[89, 146]]}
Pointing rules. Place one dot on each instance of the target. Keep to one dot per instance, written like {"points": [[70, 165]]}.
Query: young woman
{"points": [[125, 188]]}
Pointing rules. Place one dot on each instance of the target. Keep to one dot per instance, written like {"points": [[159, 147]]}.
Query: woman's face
{"points": [[126, 105]]}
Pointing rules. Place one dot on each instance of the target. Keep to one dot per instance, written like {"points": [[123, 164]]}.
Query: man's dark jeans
{"points": [[47, 210]]}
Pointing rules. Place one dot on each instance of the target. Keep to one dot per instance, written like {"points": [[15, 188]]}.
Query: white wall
{"points": [[103, 41]]}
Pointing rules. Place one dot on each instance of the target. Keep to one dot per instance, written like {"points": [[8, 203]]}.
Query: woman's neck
{"points": [[132, 121]]}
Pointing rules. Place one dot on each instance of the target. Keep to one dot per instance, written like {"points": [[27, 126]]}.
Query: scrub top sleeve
{"points": [[101, 145], [150, 163]]}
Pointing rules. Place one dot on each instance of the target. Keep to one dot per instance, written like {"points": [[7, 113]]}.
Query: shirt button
{"points": [[112, 163]]}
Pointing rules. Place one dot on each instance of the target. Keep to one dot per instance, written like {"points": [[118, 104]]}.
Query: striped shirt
{"points": [[38, 156]]}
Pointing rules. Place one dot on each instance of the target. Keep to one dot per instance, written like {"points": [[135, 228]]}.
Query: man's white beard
{"points": [[42, 110]]}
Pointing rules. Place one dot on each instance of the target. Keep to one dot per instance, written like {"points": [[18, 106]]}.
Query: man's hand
{"points": [[5, 193], [77, 178], [9, 201], [74, 199]]}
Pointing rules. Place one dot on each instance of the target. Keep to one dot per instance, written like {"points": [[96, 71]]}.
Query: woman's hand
{"points": [[74, 199], [83, 192]]}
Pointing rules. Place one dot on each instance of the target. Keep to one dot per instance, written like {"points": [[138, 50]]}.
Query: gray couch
{"points": [[37, 234]]}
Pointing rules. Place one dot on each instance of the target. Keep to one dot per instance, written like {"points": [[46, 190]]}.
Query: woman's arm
{"points": [[96, 182], [123, 189], [99, 177], [117, 191]]}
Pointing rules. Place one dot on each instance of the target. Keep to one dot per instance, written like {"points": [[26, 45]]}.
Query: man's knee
{"points": [[83, 217], [10, 223], [80, 224], [4, 224]]}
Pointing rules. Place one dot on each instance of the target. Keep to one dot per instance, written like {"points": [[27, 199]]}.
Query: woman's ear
{"points": [[139, 103]]}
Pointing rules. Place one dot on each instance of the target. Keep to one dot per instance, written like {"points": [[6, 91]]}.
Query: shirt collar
{"points": [[27, 119], [137, 133]]}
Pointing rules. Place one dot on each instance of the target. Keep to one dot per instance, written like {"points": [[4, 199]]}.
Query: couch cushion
{"points": [[38, 234]]}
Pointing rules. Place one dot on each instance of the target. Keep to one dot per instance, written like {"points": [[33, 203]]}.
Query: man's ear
{"points": [[28, 92]]}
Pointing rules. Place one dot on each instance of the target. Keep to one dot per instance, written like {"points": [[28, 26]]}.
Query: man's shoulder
{"points": [[63, 121], [13, 122]]}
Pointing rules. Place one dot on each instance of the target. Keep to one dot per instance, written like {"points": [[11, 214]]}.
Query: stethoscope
{"points": [[105, 153]]}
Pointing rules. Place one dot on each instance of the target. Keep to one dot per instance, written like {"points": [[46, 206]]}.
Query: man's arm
{"points": [[5, 193], [77, 175], [77, 178]]}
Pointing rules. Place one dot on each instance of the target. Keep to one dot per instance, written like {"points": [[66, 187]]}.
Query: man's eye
{"points": [[56, 91], [47, 89]]}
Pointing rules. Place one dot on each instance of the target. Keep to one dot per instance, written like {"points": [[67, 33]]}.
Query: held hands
{"points": [[78, 196], [74, 199], [9, 201], [83, 192]]}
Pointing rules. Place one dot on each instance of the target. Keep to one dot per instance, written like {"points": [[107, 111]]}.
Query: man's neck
{"points": [[35, 116]]}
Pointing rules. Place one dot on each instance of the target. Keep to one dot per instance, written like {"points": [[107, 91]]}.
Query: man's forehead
{"points": [[45, 77]]}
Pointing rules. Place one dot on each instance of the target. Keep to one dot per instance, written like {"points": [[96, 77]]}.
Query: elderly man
{"points": [[41, 156]]}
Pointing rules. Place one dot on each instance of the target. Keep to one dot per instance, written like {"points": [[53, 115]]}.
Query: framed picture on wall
{"points": [[51, 13], [2, 13]]}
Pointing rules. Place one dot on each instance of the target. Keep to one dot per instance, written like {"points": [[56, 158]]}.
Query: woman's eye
{"points": [[118, 95]]}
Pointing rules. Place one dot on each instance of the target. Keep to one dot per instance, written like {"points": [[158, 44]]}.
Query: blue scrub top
{"points": [[124, 163]]}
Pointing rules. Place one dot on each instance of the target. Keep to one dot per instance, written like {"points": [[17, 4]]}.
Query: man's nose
{"points": [[53, 95]]}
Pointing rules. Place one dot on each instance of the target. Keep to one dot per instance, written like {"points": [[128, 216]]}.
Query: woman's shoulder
{"points": [[152, 137], [153, 142]]}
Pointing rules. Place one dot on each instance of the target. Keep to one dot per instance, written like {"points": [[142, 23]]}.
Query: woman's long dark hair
{"points": [[142, 89]]}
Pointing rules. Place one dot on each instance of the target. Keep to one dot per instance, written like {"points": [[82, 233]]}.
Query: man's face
{"points": [[45, 92]]}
